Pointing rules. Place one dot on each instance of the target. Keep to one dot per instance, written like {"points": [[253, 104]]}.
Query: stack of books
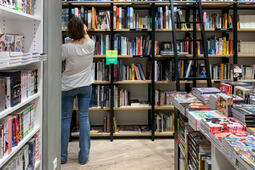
{"points": [[164, 122], [243, 91], [17, 86], [129, 72], [162, 98], [101, 71], [195, 117], [243, 148], [139, 46], [244, 113], [25, 158], [164, 70], [224, 103], [102, 44], [199, 150], [214, 20], [180, 100], [25, 6], [14, 128], [204, 93], [121, 97]]}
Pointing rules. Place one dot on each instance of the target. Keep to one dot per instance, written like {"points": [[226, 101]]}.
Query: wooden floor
{"points": [[141, 154]]}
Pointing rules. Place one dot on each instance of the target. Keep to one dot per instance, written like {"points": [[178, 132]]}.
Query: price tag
{"points": [[111, 57]]}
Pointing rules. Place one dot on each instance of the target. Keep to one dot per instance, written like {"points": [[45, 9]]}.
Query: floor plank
{"points": [[124, 155]]}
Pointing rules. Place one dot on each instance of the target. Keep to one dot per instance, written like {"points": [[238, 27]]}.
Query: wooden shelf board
{"points": [[131, 30], [101, 82], [170, 134], [95, 109], [125, 56], [246, 55], [165, 107], [133, 82], [132, 134], [16, 149], [99, 109], [246, 29], [99, 30], [132, 108], [92, 4], [190, 55], [100, 134], [99, 56], [164, 82]]}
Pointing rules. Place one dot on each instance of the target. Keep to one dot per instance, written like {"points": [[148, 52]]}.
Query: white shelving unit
{"points": [[31, 27]]}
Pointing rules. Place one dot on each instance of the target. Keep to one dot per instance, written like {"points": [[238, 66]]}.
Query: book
{"points": [[224, 104], [195, 117], [242, 146], [13, 86]]}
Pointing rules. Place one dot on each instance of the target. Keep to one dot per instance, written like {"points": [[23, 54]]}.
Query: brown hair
{"points": [[76, 28]]}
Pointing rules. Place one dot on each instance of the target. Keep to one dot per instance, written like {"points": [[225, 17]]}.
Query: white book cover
{"points": [[124, 48], [89, 19], [120, 17], [107, 42], [167, 17], [220, 46], [131, 18]]}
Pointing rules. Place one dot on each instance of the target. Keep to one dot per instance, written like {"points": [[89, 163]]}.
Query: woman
{"points": [[76, 81]]}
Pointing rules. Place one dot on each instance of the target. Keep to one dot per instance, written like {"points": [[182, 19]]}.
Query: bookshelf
{"points": [[163, 34], [27, 59]]}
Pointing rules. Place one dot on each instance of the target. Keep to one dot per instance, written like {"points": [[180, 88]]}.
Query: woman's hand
{"points": [[86, 36]]}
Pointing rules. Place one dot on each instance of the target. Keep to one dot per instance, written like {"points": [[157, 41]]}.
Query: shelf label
{"points": [[111, 57]]}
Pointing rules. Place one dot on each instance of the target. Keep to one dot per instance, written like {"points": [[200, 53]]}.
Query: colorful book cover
{"points": [[206, 114], [244, 147]]}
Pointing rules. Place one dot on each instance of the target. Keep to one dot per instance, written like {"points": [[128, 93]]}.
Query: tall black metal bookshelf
{"points": [[151, 5]]}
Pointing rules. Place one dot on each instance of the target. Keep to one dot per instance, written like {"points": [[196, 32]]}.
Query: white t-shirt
{"points": [[79, 62]]}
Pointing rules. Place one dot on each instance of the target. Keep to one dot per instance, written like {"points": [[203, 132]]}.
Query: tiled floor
{"points": [[141, 154]]}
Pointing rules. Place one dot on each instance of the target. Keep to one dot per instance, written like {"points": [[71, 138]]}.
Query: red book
{"points": [[9, 135], [95, 19], [165, 99], [116, 72], [213, 21], [16, 137], [230, 46], [187, 44], [198, 25], [118, 18], [165, 19], [137, 73], [139, 46]]}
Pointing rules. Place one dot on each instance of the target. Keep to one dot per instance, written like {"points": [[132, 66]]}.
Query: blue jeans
{"points": [[83, 94]]}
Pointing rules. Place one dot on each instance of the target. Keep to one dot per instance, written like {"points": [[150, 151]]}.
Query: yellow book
{"points": [[149, 48], [120, 98], [225, 17], [115, 124], [182, 68], [94, 131], [93, 18], [141, 22], [198, 48], [227, 42], [221, 71], [173, 123], [224, 45], [133, 71]]}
